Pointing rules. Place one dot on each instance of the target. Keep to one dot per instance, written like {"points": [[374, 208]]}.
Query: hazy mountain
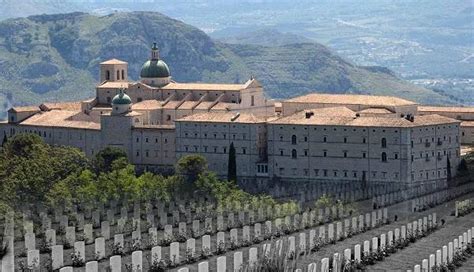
{"points": [[56, 57], [265, 36]]}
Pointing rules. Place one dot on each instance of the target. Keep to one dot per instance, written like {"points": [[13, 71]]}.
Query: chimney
{"points": [[237, 115]]}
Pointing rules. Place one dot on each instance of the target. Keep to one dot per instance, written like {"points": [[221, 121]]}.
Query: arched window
{"points": [[293, 139], [123, 74], [384, 143], [294, 154], [118, 74], [384, 157], [107, 75]]}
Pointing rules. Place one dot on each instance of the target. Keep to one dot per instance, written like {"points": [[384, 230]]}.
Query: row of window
{"points": [[219, 135], [165, 140], [214, 149], [294, 154], [328, 173], [120, 75], [45, 134], [156, 153]]}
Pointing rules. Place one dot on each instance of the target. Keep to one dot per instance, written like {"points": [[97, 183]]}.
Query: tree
{"points": [[191, 166], [5, 139], [104, 159], [24, 145], [232, 164]]}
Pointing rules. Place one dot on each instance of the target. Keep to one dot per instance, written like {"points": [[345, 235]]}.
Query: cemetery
{"points": [[329, 227]]}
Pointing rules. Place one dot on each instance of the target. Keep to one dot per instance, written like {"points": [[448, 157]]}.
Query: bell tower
{"points": [[113, 70]]}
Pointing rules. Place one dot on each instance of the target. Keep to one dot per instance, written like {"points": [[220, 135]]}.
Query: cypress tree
{"points": [[5, 139], [232, 164]]}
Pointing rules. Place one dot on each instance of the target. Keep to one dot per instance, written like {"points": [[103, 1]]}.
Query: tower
{"points": [[113, 70]]}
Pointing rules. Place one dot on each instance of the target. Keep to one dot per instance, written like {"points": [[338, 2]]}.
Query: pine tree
{"points": [[232, 164]]}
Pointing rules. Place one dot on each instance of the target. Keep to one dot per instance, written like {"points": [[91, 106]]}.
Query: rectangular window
{"points": [[244, 151], [252, 100]]}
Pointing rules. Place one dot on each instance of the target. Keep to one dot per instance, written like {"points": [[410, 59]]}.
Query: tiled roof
{"points": [[147, 105], [204, 105], [333, 111], [70, 106], [60, 118], [25, 109], [376, 111], [467, 124], [222, 106], [299, 118], [223, 117], [187, 105], [114, 84], [171, 104], [354, 99], [204, 86], [445, 109], [113, 61]]}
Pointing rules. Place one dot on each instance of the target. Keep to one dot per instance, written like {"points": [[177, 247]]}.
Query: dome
{"points": [[155, 68], [121, 99]]}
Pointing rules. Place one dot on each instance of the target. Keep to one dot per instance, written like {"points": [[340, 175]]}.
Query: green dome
{"points": [[121, 99], [154, 69]]}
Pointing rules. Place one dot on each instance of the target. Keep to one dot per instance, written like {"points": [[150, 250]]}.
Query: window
{"points": [[225, 150], [345, 154], [146, 140], [345, 139], [316, 172], [244, 151], [293, 139], [118, 74], [325, 139], [325, 154], [138, 153], [146, 153], [138, 139], [294, 154], [396, 156], [364, 155], [109, 100], [384, 143], [107, 75], [325, 172], [281, 152], [123, 74], [305, 139], [306, 152], [252, 100], [384, 157], [168, 117], [363, 140]]}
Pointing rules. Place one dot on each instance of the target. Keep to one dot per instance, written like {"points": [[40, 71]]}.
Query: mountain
{"points": [[56, 57], [264, 36]]}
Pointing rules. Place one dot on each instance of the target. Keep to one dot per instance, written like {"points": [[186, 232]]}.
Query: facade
{"points": [[330, 145], [317, 137], [463, 114]]}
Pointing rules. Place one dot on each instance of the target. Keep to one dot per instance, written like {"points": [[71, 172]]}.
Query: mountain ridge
{"points": [[56, 57]]}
